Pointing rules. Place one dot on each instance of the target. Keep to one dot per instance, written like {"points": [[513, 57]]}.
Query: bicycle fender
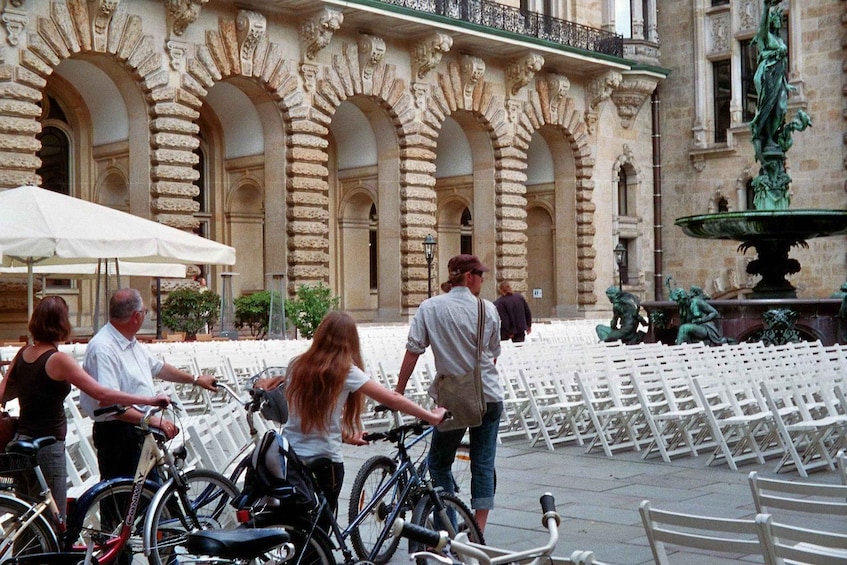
{"points": [[82, 503]]}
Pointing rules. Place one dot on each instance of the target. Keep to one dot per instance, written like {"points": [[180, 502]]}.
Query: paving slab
{"points": [[598, 498]]}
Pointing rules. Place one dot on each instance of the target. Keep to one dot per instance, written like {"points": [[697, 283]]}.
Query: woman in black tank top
{"points": [[40, 377]]}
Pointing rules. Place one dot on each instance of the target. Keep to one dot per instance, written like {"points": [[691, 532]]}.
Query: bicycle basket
{"points": [[11, 464]]}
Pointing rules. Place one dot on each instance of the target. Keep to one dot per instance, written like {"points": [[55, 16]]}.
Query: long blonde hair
{"points": [[316, 378]]}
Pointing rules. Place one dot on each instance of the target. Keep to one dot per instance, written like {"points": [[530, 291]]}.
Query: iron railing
{"points": [[507, 18]]}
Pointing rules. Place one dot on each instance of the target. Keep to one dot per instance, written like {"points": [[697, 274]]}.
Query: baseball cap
{"points": [[465, 264]]}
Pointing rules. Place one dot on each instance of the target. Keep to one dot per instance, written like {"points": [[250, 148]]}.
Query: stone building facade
{"points": [[708, 163], [325, 139]]}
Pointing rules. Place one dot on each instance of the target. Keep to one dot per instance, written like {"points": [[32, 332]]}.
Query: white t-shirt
{"points": [[314, 445]]}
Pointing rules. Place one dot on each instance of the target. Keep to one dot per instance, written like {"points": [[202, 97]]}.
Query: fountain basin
{"points": [[766, 225]]}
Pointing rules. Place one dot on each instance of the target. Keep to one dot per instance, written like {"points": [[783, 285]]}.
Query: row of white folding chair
{"points": [[675, 420], [759, 537], [809, 428]]}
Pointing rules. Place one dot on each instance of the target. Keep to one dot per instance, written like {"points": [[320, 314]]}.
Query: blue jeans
{"points": [[442, 452]]}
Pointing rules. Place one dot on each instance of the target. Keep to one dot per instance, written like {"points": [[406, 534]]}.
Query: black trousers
{"points": [[119, 449]]}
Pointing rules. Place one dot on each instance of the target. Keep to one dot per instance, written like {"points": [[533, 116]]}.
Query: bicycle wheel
{"points": [[373, 476], [100, 517], [205, 504], [461, 519], [37, 537], [314, 549]]}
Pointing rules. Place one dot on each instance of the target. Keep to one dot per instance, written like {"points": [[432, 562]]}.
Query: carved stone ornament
{"points": [[599, 90], [558, 87], [102, 14], [316, 31], [309, 72], [371, 53], [720, 33], [427, 52], [184, 13], [513, 110], [522, 70], [630, 95], [177, 51], [16, 3], [748, 14], [15, 23], [250, 28], [472, 71], [420, 95]]}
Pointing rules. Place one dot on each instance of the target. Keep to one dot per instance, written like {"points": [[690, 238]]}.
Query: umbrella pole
{"points": [[30, 302], [95, 325], [158, 308]]}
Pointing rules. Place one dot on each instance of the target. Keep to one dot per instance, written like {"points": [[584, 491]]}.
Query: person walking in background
{"points": [[515, 316], [325, 388], [118, 361], [448, 323], [40, 378]]}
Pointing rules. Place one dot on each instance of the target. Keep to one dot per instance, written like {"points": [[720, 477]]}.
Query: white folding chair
{"points": [[665, 529]]}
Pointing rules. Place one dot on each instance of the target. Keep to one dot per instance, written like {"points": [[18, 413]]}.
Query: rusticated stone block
{"points": [[301, 244], [416, 179], [174, 157], [165, 188], [312, 184], [415, 166], [175, 205], [168, 172], [19, 126], [178, 221], [305, 140], [418, 153], [21, 161], [314, 257], [315, 220], [314, 199], [175, 125], [174, 110], [307, 127], [175, 141], [303, 154], [307, 169], [13, 179]]}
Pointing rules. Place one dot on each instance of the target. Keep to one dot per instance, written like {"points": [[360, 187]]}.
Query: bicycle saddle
{"points": [[242, 543], [29, 447]]}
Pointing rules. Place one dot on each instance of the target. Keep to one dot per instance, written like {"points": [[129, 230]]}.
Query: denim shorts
{"points": [[483, 449]]}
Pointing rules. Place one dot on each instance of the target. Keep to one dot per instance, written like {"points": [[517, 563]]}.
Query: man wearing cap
{"points": [[448, 323]]}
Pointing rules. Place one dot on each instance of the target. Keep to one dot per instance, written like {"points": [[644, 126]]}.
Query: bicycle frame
{"points": [[152, 455]]}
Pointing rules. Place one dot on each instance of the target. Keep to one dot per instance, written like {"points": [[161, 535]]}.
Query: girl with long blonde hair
{"points": [[325, 389]]}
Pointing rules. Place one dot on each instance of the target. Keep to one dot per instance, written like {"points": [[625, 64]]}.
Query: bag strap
{"points": [[9, 372], [479, 328]]}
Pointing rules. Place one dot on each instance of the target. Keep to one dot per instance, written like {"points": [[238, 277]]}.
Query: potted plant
{"points": [[253, 311], [309, 307], [189, 310]]}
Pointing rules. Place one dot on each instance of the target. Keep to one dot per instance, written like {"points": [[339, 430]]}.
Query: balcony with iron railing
{"points": [[514, 20]]}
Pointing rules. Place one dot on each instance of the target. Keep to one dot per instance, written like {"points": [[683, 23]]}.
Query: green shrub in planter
{"points": [[309, 308], [253, 310], [189, 310]]}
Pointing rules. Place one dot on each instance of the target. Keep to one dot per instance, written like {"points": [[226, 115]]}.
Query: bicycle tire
{"points": [[38, 537], [462, 471], [168, 521], [112, 501], [459, 512], [372, 476]]}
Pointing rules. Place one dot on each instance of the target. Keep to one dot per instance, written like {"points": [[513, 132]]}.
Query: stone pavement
{"points": [[598, 498]]}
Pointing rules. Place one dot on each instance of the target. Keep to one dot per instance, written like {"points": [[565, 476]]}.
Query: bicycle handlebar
{"points": [[436, 541]]}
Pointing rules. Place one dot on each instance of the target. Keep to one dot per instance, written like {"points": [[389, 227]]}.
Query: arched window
{"points": [[466, 238], [55, 157], [373, 249], [623, 187]]}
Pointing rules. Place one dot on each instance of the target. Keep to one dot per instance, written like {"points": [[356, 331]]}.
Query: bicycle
{"points": [[440, 547], [110, 513], [401, 486]]}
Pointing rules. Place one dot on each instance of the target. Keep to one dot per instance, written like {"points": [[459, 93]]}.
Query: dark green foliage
{"points": [[252, 311], [309, 307], [189, 310]]}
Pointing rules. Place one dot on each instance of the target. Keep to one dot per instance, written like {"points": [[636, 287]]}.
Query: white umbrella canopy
{"points": [[39, 226]]}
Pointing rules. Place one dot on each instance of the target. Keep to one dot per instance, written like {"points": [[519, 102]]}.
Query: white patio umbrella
{"points": [[42, 227]]}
